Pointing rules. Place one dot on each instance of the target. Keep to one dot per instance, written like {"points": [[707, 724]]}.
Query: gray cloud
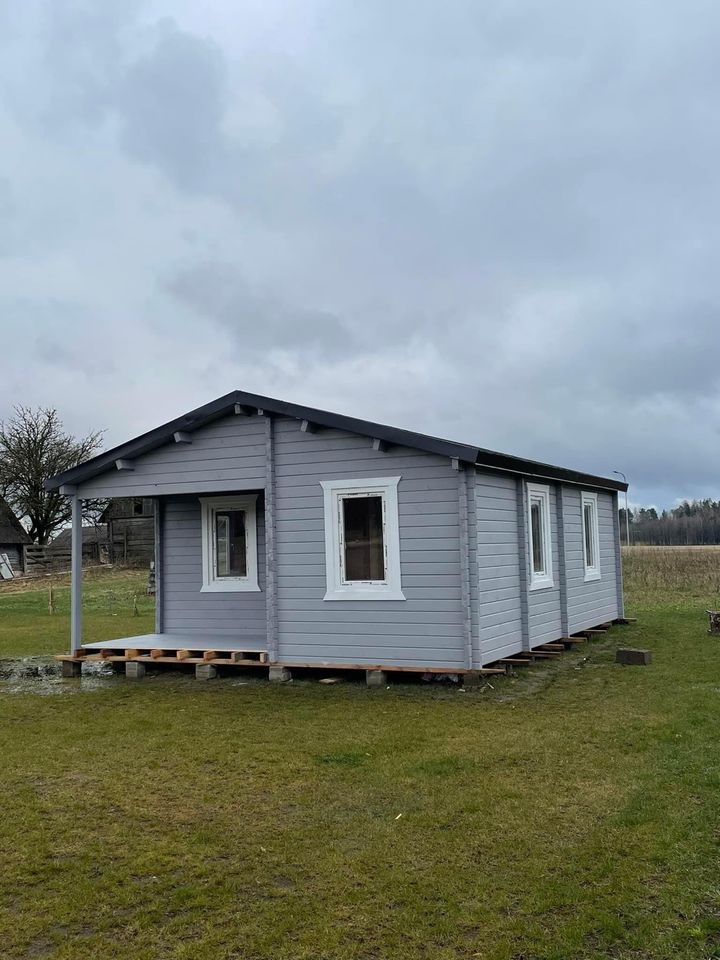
{"points": [[496, 222]]}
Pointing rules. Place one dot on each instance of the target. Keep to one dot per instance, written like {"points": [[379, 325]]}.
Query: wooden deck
{"points": [[155, 649]]}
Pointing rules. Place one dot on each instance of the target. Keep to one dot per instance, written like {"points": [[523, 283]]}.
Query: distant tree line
{"points": [[692, 522]]}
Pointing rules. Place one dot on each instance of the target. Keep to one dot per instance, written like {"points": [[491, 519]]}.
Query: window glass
{"points": [[230, 544], [589, 537], [536, 528], [363, 546]]}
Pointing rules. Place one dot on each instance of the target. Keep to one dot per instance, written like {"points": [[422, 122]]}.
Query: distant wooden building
{"points": [[95, 547], [13, 537], [130, 529]]}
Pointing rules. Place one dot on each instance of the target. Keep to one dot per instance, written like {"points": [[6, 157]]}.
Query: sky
{"points": [[495, 222]]}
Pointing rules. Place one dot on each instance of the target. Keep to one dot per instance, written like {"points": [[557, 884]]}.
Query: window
{"points": [[229, 543], [362, 539], [137, 508], [539, 536], [591, 536]]}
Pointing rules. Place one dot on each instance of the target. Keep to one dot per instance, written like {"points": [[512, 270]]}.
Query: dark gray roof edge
{"points": [[225, 405]]}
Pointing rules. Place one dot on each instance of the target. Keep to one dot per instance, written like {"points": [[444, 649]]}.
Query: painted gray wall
{"points": [[226, 456], [426, 628], [544, 614], [596, 601], [234, 616], [499, 607]]}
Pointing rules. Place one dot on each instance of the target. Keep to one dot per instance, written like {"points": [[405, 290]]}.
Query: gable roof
{"points": [[11, 530], [226, 405]]}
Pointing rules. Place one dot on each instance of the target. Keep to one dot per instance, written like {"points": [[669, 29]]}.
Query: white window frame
{"points": [[592, 572], [337, 588], [539, 493], [212, 583]]}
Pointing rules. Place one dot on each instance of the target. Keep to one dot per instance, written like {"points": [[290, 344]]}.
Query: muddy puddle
{"points": [[43, 675]]}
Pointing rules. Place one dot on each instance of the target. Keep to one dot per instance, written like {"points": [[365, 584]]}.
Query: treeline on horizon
{"points": [[693, 522]]}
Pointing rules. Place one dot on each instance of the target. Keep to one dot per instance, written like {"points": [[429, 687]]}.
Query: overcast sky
{"points": [[496, 222]]}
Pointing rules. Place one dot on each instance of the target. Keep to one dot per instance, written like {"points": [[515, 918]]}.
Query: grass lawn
{"points": [[28, 629], [571, 812]]}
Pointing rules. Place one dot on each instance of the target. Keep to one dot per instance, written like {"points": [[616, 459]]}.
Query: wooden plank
{"points": [[574, 640], [388, 668], [516, 662], [184, 655], [209, 655], [130, 654], [146, 658], [156, 654], [551, 646], [228, 662]]}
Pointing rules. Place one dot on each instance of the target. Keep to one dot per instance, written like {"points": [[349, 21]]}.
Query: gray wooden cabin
{"points": [[318, 539]]}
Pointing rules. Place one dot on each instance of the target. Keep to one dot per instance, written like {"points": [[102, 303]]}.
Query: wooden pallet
{"points": [[171, 656]]}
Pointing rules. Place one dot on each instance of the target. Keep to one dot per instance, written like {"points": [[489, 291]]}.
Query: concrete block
{"points": [[279, 675], [135, 671], [71, 668], [472, 678], [376, 678], [636, 658], [205, 671]]}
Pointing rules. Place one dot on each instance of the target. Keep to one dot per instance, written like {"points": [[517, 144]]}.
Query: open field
{"points": [[571, 812], [27, 628], [678, 575]]}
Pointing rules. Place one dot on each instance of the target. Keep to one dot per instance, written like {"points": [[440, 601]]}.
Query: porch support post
{"points": [[76, 575], [270, 544], [158, 516], [465, 564]]}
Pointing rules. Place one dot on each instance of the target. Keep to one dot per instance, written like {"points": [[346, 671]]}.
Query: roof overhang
{"points": [[239, 402]]}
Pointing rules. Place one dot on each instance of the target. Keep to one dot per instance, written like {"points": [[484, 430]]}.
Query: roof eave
{"points": [[225, 405]]}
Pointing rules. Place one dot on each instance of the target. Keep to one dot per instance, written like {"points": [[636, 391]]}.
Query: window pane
{"points": [[589, 538], [536, 528], [364, 554], [230, 549]]}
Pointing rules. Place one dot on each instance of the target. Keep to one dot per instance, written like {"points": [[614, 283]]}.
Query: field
{"points": [[570, 812]]}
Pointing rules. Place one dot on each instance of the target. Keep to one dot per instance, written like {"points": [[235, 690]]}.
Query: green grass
{"points": [[28, 629], [571, 812]]}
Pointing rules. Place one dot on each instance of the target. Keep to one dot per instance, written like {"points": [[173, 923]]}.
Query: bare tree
{"points": [[33, 447]]}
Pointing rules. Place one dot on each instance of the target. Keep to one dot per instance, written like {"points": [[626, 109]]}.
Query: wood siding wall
{"points": [[544, 611], [236, 616], [596, 601], [224, 457], [424, 629], [500, 607], [14, 555]]}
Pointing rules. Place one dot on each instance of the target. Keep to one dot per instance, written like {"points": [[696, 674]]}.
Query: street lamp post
{"points": [[627, 512]]}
